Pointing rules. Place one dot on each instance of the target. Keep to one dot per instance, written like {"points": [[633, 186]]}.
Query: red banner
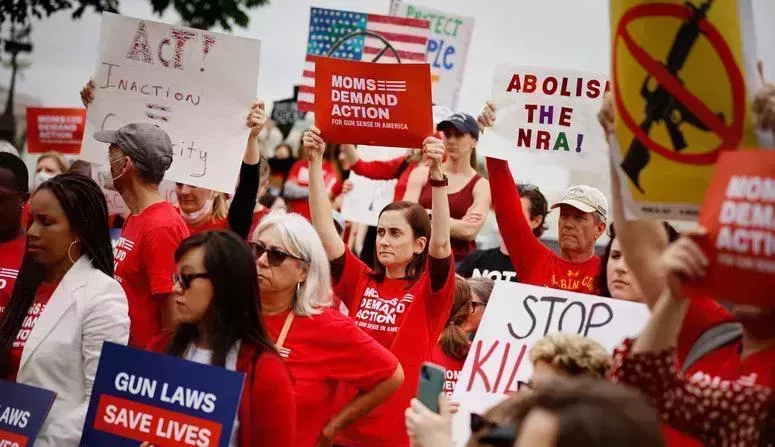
{"points": [[55, 129], [12, 439], [374, 104], [739, 214]]}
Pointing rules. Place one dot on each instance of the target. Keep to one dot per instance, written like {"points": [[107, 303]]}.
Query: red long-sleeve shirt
{"points": [[534, 262], [387, 170]]}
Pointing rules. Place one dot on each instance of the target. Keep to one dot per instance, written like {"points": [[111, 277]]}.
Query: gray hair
{"points": [[300, 239]]}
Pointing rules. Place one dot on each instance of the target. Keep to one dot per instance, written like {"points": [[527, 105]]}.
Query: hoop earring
{"points": [[68, 251]]}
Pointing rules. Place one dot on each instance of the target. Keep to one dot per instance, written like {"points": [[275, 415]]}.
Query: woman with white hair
{"points": [[320, 346]]}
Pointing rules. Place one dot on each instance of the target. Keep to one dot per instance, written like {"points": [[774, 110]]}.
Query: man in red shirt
{"points": [[14, 192], [139, 155]]}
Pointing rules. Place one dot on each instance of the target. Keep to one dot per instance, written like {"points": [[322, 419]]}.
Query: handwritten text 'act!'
{"points": [[185, 397]]}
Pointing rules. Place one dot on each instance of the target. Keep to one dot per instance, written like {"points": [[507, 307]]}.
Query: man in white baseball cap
{"points": [[583, 217]]}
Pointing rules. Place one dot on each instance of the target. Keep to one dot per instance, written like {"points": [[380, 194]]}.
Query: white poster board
{"points": [[547, 116], [447, 48], [517, 316], [367, 198], [196, 85]]}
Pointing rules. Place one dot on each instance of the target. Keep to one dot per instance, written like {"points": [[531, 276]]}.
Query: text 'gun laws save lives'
{"points": [[140, 396]]}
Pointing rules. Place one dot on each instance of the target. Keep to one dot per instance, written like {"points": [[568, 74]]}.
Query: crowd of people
{"points": [[332, 321]]}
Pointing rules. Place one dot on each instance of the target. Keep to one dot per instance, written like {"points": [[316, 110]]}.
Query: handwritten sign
{"points": [[447, 48], [518, 316], [196, 85], [23, 410], [738, 214], [376, 104], [669, 58], [547, 116], [141, 396], [55, 129]]}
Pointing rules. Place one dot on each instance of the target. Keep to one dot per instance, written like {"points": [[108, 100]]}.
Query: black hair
{"points": [[672, 236], [235, 310], [539, 207], [87, 212], [21, 177]]}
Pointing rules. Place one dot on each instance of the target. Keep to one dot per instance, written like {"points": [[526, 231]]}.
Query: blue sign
{"points": [[23, 409], [142, 396]]}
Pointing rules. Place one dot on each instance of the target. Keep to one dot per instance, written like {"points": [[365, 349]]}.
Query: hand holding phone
{"points": [[431, 384]]}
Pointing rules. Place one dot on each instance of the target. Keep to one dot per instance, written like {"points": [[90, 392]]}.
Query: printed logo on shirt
{"points": [[123, 247], [494, 275], [572, 282], [380, 314], [29, 322], [5, 275]]}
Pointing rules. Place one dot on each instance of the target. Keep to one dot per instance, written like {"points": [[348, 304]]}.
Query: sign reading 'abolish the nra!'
{"points": [[374, 104]]}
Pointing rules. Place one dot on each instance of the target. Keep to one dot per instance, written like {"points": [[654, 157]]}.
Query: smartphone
{"points": [[431, 384]]}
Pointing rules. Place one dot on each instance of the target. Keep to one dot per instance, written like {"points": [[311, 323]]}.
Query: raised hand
{"points": [[764, 102], [256, 119], [606, 114], [684, 261], [313, 144], [433, 155], [87, 93], [487, 117]]}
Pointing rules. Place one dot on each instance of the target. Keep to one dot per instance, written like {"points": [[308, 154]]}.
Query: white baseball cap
{"points": [[585, 198]]}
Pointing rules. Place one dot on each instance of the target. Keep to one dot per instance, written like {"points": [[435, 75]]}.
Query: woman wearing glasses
{"points": [[404, 302], [218, 323], [321, 347]]}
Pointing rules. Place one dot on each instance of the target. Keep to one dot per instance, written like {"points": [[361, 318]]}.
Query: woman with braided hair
{"points": [[65, 303]]}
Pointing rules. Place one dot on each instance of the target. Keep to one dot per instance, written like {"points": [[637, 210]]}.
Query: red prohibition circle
{"points": [[730, 135]]}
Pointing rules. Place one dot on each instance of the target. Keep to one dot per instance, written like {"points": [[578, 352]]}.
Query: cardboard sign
{"points": [[447, 48], [55, 129], [547, 116], [141, 396], [362, 37], [740, 244], [376, 104], [684, 74], [23, 410], [196, 85], [518, 316]]}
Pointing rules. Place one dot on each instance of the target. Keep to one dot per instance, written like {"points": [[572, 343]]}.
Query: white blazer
{"points": [[63, 349]]}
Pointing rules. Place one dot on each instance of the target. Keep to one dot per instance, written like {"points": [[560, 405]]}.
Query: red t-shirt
{"points": [[42, 295], [257, 217], [210, 224], [534, 263], [322, 351], [300, 175], [11, 254], [145, 262], [451, 365], [405, 317]]}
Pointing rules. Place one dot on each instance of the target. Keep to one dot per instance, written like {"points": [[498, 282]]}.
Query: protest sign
{"points": [[684, 75], [23, 410], [377, 104], [55, 129], [547, 116], [359, 37], [738, 215], [518, 316], [447, 48], [141, 396], [367, 198], [196, 85]]}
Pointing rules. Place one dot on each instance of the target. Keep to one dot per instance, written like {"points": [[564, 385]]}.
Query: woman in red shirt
{"points": [[452, 349], [405, 301], [218, 323], [321, 347], [14, 192]]}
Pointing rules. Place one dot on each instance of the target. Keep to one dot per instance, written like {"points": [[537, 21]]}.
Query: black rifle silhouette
{"points": [[661, 105]]}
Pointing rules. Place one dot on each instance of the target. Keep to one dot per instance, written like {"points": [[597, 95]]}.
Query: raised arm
{"points": [[319, 203], [379, 169], [415, 183], [469, 225], [244, 201], [439, 246]]}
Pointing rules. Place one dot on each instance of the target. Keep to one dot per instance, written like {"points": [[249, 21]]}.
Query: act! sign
{"points": [[374, 104], [447, 48], [55, 129], [140, 396], [518, 316], [547, 116], [23, 409], [684, 73], [738, 214], [196, 85]]}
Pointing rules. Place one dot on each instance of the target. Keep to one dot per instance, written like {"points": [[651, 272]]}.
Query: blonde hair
{"points": [[58, 158], [571, 354], [300, 239], [220, 207]]}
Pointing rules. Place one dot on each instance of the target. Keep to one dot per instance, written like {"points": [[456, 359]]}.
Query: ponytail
{"points": [[454, 340]]}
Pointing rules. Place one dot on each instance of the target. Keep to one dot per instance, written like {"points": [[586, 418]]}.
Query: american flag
{"points": [[327, 27]]}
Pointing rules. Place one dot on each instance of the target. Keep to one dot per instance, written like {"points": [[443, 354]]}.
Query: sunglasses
{"points": [[274, 256], [184, 279]]}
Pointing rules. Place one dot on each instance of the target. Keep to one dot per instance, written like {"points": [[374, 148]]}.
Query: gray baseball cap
{"points": [[146, 144]]}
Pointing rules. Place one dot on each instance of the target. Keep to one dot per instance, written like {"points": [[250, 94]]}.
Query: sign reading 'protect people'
{"points": [[374, 104], [139, 396]]}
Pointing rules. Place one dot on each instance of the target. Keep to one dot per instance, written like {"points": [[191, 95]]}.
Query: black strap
{"points": [[710, 340]]}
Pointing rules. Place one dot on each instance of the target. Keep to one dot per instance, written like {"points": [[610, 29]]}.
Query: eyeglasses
{"points": [[273, 255], [184, 279]]}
